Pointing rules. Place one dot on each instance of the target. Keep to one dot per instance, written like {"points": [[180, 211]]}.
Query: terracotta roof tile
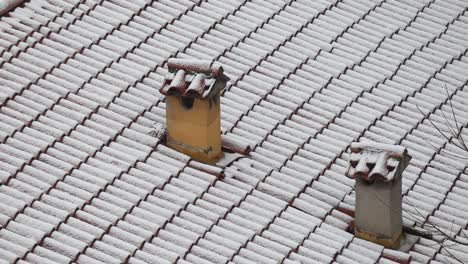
{"points": [[79, 159]]}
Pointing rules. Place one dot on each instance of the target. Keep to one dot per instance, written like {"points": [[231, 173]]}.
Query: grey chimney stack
{"points": [[377, 169]]}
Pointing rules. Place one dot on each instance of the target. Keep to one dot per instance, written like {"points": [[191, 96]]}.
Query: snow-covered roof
{"points": [[84, 179]]}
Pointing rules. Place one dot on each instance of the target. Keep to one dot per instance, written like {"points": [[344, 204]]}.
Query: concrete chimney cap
{"points": [[371, 160]]}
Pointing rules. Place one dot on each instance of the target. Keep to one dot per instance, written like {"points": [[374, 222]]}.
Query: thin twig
{"points": [[455, 119], [449, 139], [439, 230]]}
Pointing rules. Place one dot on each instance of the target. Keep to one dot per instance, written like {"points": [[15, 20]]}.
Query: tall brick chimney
{"points": [[377, 169]]}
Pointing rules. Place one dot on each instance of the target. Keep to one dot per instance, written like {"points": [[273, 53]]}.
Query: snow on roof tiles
{"points": [[82, 170]]}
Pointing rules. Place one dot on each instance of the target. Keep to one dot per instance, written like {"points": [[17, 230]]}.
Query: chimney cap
{"points": [[371, 160], [193, 78]]}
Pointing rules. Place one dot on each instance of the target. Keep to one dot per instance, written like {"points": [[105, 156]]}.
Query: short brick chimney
{"points": [[192, 89], [377, 169]]}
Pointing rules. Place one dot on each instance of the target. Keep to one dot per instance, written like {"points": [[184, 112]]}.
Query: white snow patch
{"points": [[6, 5]]}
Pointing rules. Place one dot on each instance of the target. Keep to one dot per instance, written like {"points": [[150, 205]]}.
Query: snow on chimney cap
{"points": [[371, 160], [193, 78], [199, 66], [392, 150]]}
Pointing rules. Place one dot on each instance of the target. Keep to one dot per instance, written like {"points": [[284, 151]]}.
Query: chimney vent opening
{"points": [[187, 102]]}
